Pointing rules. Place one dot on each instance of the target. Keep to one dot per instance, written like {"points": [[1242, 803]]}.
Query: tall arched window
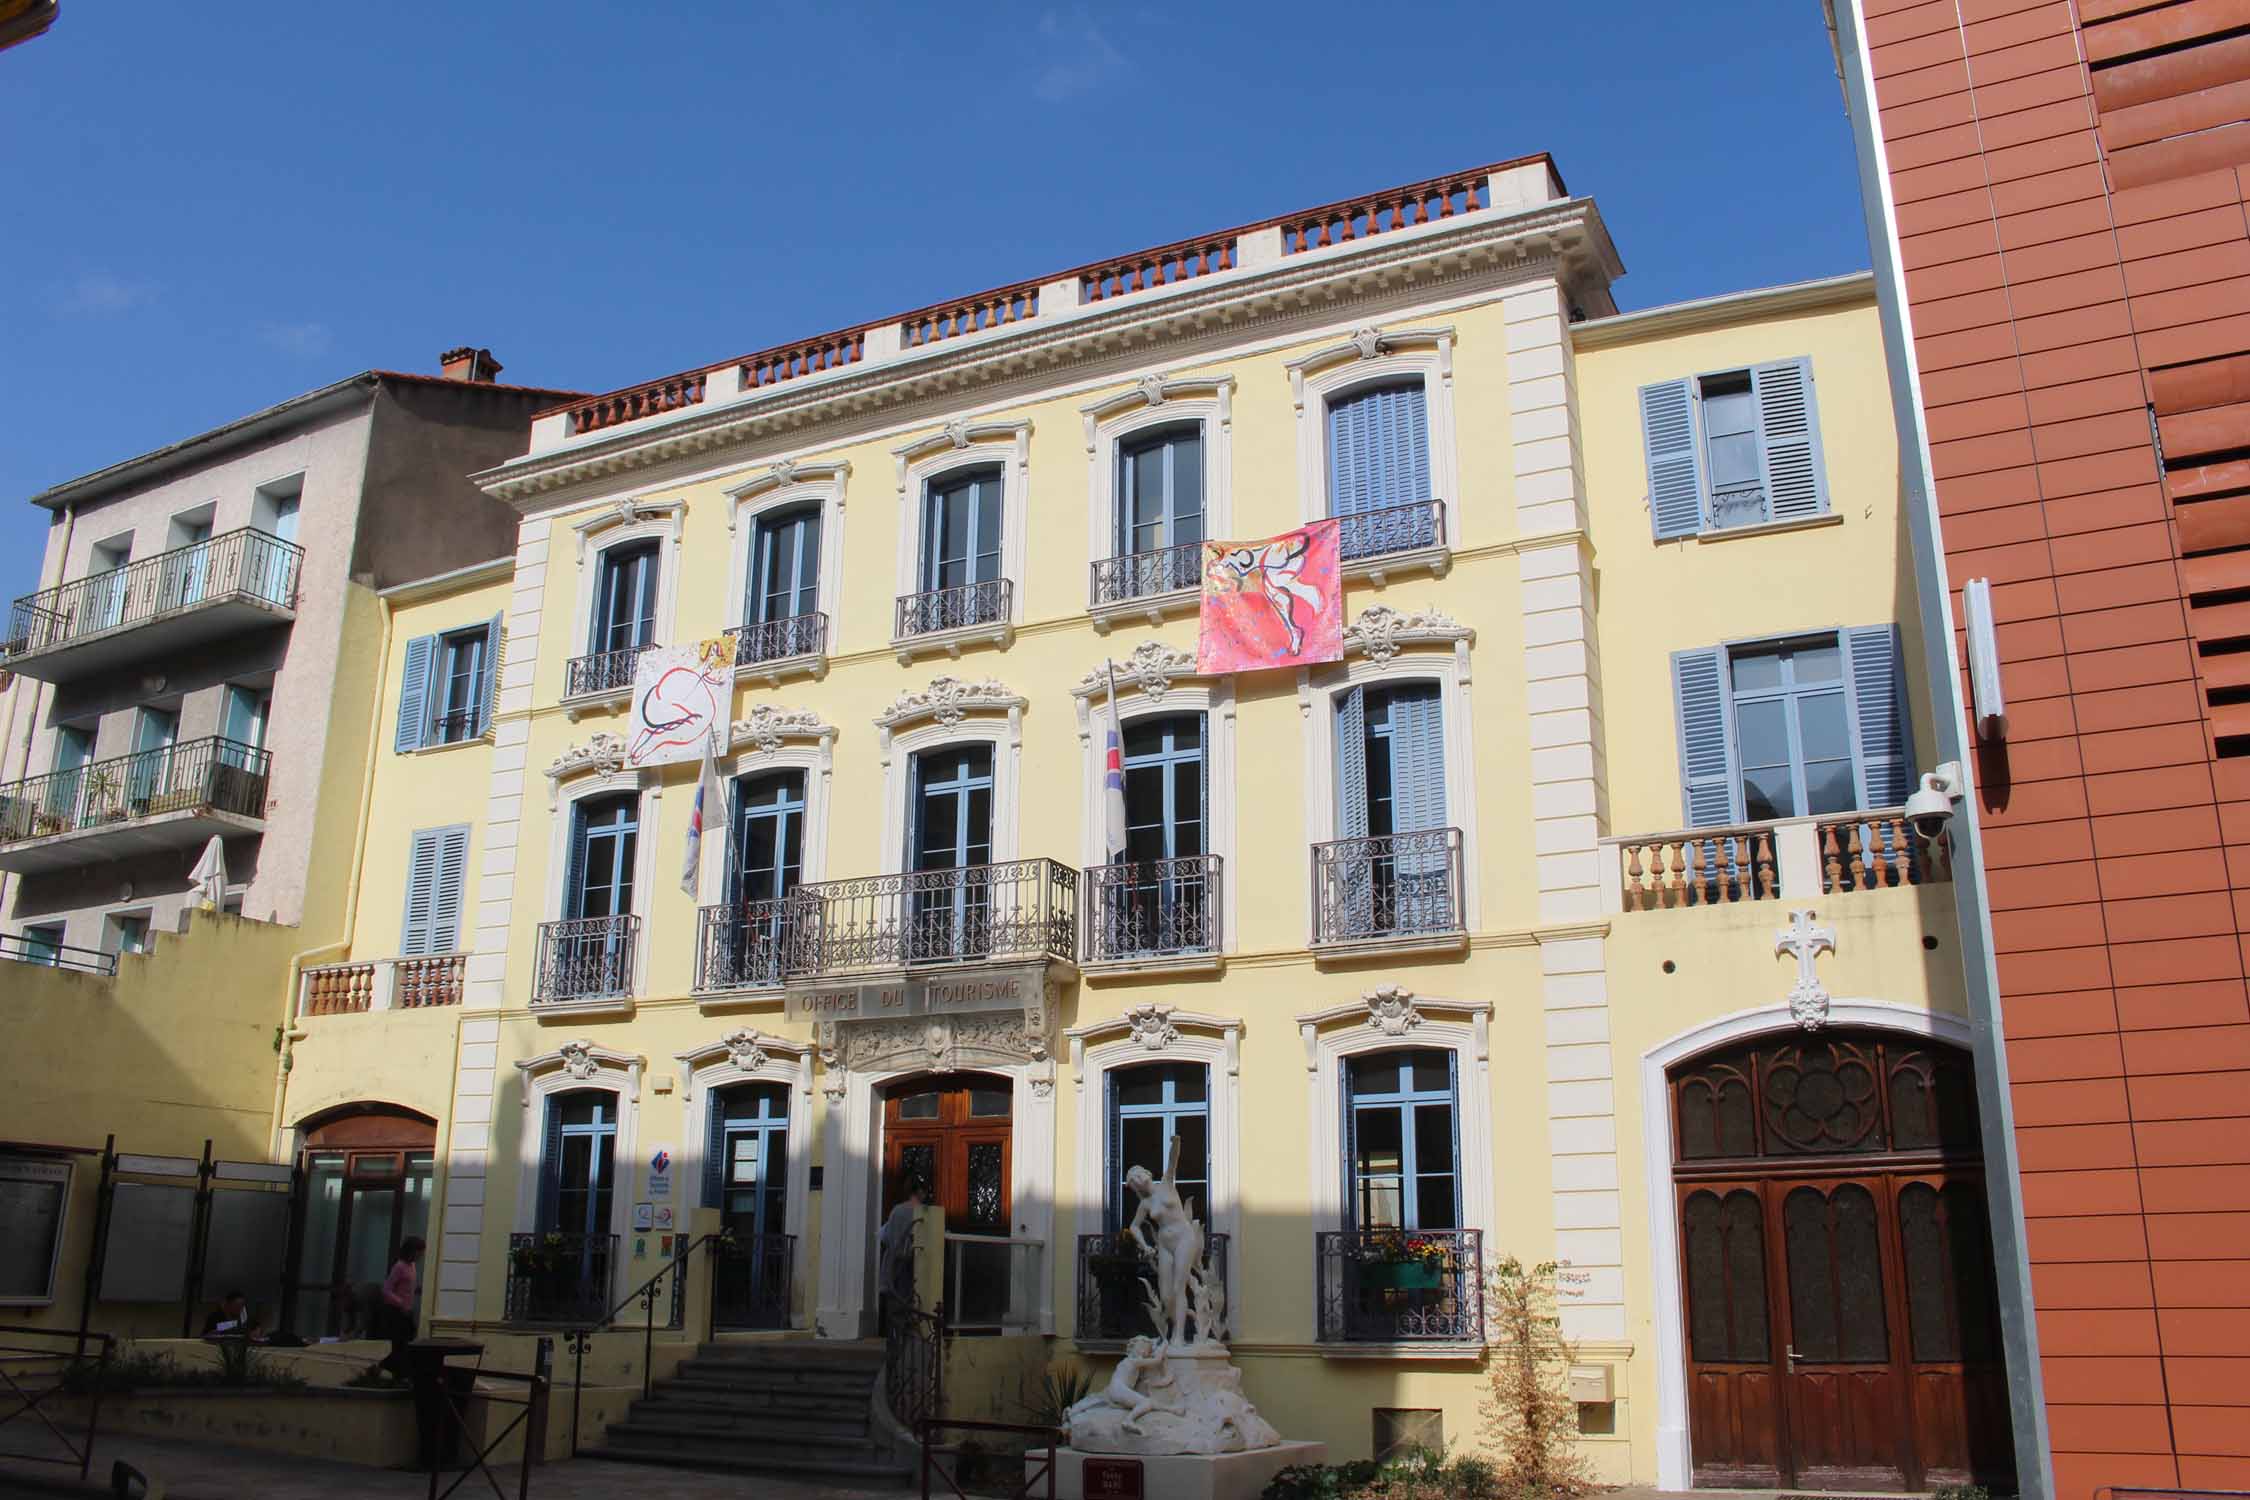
{"points": [[1149, 1107], [1402, 1146]]}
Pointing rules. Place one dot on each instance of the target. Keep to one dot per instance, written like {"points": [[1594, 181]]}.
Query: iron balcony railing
{"points": [[1394, 528], [750, 1280], [992, 1282], [778, 640], [585, 958], [1399, 1286], [1739, 505], [1387, 886], [1026, 908], [1138, 575], [241, 564], [1114, 1280], [601, 672], [738, 945], [559, 1278], [207, 775], [954, 609], [1153, 908], [22, 949]]}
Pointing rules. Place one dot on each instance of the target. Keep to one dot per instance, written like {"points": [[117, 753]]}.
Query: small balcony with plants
{"points": [[1400, 1287], [166, 798]]}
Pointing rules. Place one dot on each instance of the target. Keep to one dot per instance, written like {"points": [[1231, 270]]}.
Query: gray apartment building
{"points": [[202, 652]]}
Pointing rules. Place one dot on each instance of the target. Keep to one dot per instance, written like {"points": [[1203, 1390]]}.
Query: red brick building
{"points": [[2056, 196]]}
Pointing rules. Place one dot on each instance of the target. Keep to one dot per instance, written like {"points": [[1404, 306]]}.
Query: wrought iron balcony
{"points": [[1739, 505], [1400, 885], [173, 797], [739, 945], [1399, 1286], [1137, 575], [1113, 1296], [585, 958], [1367, 534], [779, 640], [601, 673], [750, 1280], [198, 592], [1024, 909], [963, 608], [1153, 908], [559, 1278]]}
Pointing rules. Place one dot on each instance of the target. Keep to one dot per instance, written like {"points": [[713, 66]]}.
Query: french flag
{"points": [[1113, 784], [707, 799]]}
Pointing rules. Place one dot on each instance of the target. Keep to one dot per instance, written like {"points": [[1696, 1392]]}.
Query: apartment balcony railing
{"points": [[15, 947], [1364, 535], [559, 1278], [780, 640], [1389, 887], [585, 958], [751, 1279], [201, 591], [166, 798], [739, 945], [1738, 505], [601, 672], [1787, 859], [992, 1282], [382, 984], [1024, 909], [968, 607], [1153, 909], [1141, 575], [1113, 1287], [1399, 1286]]}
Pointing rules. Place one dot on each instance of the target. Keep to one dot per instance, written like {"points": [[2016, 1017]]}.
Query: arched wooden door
{"points": [[1836, 1266]]}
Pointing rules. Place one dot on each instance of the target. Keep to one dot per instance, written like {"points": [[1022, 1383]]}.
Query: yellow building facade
{"points": [[1405, 955]]}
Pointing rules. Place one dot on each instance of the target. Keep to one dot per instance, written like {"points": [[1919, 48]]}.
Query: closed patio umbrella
{"points": [[210, 876]]}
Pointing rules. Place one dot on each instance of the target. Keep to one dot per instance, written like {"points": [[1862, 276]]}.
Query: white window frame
{"points": [[770, 739], [1161, 1034], [113, 932], [747, 1055], [43, 1169], [569, 1068], [950, 712], [1159, 681], [1389, 1019], [787, 486], [1375, 357], [963, 445], [629, 520], [1383, 647], [1156, 401], [562, 803]]}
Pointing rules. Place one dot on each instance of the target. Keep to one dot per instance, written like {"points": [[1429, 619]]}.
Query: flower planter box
{"points": [[1401, 1276]]}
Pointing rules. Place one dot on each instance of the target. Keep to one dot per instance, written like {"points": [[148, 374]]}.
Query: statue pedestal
{"points": [[1184, 1476]]}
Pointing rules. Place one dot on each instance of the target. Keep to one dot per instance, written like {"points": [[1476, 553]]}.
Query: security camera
{"points": [[1931, 807]]}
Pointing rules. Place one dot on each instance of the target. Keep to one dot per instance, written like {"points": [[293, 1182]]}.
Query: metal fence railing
{"points": [[601, 672], [1024, 908], [1391, 529], [585, 958], [244, 564], [32, 1369], [1153, 908], [206, 775], [779, 640], [1399, 1286], [22, 948], [1140, 575], [953, 609], [1387, 886]]}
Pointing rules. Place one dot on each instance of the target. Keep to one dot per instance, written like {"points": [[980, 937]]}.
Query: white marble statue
{"points": [[1144, 1360], [1174, 1241]]}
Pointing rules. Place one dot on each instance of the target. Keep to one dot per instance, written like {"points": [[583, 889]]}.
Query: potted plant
{"points": [[1397, 1261]]}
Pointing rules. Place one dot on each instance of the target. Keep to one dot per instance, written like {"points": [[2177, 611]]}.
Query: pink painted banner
{"points": [[1275, 603]]}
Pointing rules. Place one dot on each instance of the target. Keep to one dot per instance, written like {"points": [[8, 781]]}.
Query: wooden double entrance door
{"points": [[951, 1133], [1836, 1264]]}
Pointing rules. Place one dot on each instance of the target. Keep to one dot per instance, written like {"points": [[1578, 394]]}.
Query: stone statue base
{"points": [[1207, 1412], [1183, 1476]]}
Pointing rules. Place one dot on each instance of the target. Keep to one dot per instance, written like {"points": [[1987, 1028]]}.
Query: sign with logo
{"points": [[935, 995], [1111, 1479], [660, 1175]]}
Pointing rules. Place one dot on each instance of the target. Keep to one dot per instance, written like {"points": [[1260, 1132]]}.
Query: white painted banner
{"points": [[679, 696]]}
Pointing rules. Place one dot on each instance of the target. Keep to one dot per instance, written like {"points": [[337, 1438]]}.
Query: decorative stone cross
{"points": [[1808, 998]]}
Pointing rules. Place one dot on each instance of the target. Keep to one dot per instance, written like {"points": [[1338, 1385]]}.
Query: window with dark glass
{"points": [[1791, 730], [785, 565], [580, 1163], [1402, 1151], [961, 530], [605, 835], [952, 809], [1160, 490], [747, 1174], [625, 608], [460, 686], [769, 836], [1149, 1107], [1164, 787]]}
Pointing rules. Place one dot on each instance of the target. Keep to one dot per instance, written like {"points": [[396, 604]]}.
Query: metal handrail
{"points": [[243, 561], [17, 948], [578, 1338], [1056, 1438], [780, 639], [585, 958], [602, 671], [211, 773], [928, 611], [1390, 529], [531, 1419], [80, 1337], [1144, 575]]}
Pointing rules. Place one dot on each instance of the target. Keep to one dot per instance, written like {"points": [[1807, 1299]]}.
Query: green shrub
{"points": [[240, 1368], [1961, 1492]]}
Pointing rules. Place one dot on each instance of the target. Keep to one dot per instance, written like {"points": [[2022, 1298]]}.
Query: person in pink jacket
{"points": [[398, 1305]]}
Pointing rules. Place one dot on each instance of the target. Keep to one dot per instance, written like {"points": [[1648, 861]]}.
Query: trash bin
{"points": [[437, 1424]]}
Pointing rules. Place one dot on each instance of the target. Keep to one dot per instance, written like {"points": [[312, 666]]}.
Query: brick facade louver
{"points": [[2066, 190]]}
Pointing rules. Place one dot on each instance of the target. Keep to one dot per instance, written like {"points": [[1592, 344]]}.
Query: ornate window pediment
{"points": [[768, 727], [1156, 1028], [1152, 391], [957, 436], [1369, 344], [788, 474], [628, 510], [603, 755], [745, 1050], [1393, 1011], [949, 700], [1381, 632], [1152, 668], [584, 1061]]}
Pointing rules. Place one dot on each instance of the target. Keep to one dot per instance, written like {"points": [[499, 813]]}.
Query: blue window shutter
{"points": [[1789, 423], [1417, 759], [450, 889], [488, 674], [1675, 467], [421, 891], [1113, 1158], [1710, 789], [414, 692], [1378, 449], [1351, 1142], [714, 1148], [574, 874], [550, 1166], [1885, 734], [1348, 460], [1351, 764]]}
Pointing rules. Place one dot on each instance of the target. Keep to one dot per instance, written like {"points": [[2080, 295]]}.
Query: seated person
{"points": [[231, 1318]]}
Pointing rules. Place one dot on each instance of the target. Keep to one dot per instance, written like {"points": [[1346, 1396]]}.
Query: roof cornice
{"points": [[1729, 307], [1564, 237]]}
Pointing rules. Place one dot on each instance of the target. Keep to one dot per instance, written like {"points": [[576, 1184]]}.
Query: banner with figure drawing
{"points": [[1274, 603], [679, 694]]}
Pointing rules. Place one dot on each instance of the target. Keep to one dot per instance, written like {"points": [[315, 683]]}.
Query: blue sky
{"points": [[214, 209]]}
